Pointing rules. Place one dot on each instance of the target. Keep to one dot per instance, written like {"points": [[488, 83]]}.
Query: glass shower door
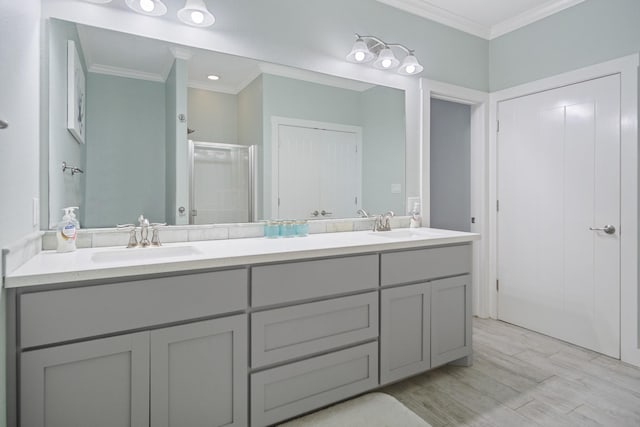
{"points": [[222, 189]]}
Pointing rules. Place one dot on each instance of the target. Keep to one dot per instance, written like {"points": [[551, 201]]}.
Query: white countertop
{"points": [[50, 267]]}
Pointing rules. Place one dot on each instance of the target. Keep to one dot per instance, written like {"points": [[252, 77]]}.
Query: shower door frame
{"points": [[252, 150]]}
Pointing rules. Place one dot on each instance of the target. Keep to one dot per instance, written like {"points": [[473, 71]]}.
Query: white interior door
{"points": [[319, 173], [558, 177]]}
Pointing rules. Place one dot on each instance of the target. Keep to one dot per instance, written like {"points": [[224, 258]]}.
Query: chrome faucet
{"points": [[383, 222], [144, 231]]}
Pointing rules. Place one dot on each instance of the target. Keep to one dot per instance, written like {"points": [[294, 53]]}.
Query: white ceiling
{"points": [[483, 18], [127, 55]]}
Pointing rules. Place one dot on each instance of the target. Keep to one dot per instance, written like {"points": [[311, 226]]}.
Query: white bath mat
{"points": [[370, 410]]}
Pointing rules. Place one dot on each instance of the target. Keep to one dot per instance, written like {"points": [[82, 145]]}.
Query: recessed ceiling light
{"points": [[213, 77], [147, 7]]}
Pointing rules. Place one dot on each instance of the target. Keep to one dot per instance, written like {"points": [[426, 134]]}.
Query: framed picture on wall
{"points": [[76, 94]]}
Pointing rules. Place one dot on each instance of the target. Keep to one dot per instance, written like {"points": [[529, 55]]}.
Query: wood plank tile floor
{"points": [[522, 378]]}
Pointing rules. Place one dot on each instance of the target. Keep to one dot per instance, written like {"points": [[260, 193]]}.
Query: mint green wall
{"points": [[64, 189], [213, 116], [126, 155], [312, 34], [383, 149], [591, 32]]}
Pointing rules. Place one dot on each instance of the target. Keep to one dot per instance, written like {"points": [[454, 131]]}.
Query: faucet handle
{"points": [[133, 240], [155, 235]]}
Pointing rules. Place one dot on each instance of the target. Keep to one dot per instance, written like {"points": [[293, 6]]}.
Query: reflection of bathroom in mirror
{"points": [[319, 141]]}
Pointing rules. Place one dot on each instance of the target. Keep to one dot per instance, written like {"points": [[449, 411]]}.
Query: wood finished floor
{"points": [[521, 378]]}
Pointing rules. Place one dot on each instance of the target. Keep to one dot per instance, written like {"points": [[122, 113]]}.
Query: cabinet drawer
{"points": [[290, 390], [287, 333], [280, 283], [422, 264], [67, 314]]}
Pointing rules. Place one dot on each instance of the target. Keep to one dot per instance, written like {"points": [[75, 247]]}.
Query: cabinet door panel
{"points": [[100, 383], [451, 319], [404, 333], [199, 374]]}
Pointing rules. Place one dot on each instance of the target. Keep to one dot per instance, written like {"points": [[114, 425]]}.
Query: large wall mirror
{"points": [[166, 140]]}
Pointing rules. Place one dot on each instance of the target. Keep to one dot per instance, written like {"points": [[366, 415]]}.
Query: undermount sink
{"points": [[141, 254], [406, 233]]}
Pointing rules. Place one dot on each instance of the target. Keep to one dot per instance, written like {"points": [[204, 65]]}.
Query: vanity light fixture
{"points": [[366, 48], [99, 1], [386, 60], [196, 14], [360, 52], [147, 7]]}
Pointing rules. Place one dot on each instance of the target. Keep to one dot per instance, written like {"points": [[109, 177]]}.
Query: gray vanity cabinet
{"points": [[99, 383], [405, 331], [450, 319], [199, 374], [186, 375]]}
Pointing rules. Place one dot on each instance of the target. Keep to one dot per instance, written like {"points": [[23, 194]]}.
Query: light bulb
{"points": [[147, 5], [359, 56], [197, 17], [386, 63], [411, 69]]}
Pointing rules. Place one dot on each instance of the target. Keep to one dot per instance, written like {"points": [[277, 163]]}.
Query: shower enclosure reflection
{"points": [[222, 182]]}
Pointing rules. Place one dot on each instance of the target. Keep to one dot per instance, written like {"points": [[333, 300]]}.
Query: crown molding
{"points": [[313, 77], [442, 16], [180, 53], [531, 16], [125, 72], [426, 10]]}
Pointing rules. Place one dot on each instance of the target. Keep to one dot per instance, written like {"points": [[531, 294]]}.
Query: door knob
{"points": [[315, 213], [609, 229], [325, 213], [4, 124]]}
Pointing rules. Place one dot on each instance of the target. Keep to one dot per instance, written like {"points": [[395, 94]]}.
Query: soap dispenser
{"points": [[67, 230], [416, 218]]}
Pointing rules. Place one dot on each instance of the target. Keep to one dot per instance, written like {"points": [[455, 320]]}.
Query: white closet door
{"points": [[318, 170], [559, 175], [298, 172], [340, 174]]}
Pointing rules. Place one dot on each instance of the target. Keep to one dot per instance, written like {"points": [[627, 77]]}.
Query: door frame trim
{"points": [[276, 121], [627, 68], [479, 102]]}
